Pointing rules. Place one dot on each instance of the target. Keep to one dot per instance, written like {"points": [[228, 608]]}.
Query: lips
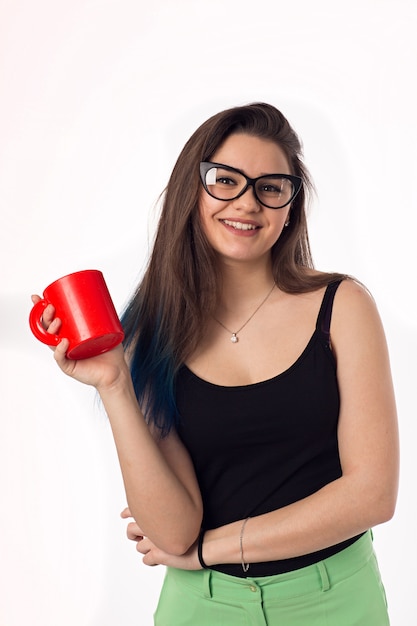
{"points": [[240, 225]]}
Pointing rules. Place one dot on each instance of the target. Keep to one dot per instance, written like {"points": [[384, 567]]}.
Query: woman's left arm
{"points": [[365, 494]]}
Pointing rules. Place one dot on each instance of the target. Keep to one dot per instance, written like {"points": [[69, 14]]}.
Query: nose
{"points": [[248, 201]]}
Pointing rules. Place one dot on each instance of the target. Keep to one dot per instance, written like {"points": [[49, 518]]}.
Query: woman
{"points": [[255, 423]]}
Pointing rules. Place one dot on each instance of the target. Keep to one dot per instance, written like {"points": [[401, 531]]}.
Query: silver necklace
{"points": [[234, 338]]}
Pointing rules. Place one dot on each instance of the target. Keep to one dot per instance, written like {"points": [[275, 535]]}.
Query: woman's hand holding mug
{"points": [[76, 316]]}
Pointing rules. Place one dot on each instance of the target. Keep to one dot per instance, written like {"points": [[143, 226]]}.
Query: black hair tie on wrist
{"points": [[200, 549]]}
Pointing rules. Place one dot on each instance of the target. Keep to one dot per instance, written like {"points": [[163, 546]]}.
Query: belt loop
{"points": [[207, 583], [325, 582]]}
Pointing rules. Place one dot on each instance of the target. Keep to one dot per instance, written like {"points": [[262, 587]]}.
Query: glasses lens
{"points": [[224, 184], [274, 191]]}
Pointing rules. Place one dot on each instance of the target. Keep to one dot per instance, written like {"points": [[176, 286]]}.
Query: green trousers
{"points": [[343, 590]]}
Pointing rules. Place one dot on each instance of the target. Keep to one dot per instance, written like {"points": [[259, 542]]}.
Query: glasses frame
{"points": [[296, 182]]}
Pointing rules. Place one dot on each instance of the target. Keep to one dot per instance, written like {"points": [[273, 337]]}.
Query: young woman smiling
{"points": [[253, 409]]}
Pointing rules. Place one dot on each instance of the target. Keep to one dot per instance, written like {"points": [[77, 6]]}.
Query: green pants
{"points": [[343, 590]]}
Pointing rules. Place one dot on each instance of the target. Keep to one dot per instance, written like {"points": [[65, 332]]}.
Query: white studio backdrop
{"points": [[96, 100]]}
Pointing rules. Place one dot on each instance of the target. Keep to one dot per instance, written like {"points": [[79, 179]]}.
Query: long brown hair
{"points": [[178, 293]]}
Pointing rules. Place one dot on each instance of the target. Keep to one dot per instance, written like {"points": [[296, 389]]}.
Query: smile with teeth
{"points": [[240, 225]]}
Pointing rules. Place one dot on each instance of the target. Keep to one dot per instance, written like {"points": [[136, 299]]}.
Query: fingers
{"points": [[149, 560], [143, 544], [151, 555], [54, 326], [133, 532], [50, 323], [48, 316], [126, 513], [60, 351]]}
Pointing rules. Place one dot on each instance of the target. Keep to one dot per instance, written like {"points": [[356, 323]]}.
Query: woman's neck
{"points": [[243, 284]]}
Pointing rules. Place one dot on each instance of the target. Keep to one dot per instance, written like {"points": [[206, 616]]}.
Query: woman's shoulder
{"points": [[355, 293], [352, 299], [355, 311]]}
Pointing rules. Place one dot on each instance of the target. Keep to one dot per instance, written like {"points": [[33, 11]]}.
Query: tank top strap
{"points": [[325, 314]]}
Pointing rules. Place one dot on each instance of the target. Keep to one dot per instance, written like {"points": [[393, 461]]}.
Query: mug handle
{"points": [[35, 322]]}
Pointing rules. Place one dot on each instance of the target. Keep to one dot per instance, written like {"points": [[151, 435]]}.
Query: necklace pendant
{"points": [[234, 338]]}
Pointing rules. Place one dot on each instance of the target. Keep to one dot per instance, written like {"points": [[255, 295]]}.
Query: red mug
{"points": [[89, 320]]}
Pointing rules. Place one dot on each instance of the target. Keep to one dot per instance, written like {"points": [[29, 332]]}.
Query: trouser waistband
{"points": [[319, 576]]}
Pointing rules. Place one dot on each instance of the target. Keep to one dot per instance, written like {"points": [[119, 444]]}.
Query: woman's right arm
{"points": [[161, 488]]}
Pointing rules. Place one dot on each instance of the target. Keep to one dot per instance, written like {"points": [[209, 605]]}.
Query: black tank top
{"points": [[260, 447]]}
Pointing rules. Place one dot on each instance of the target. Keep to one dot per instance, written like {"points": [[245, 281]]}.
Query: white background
{"points": [[96, 100]]}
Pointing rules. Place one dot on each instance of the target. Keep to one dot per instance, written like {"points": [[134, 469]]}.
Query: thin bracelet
{"points": [[200, 549], [245, 566]]}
